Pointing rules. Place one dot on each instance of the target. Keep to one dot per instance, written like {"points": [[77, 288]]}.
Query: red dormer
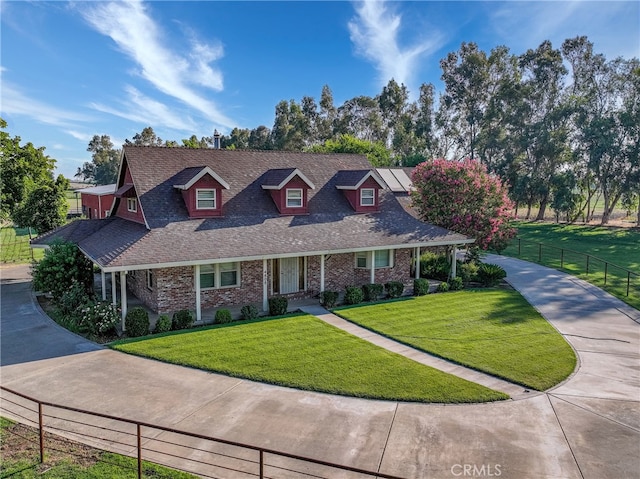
{"points": [[289, 189], [361, 188], [201, 190], [128, 202]]}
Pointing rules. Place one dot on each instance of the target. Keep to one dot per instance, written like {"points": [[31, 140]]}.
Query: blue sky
{"points": [[70, 70]]}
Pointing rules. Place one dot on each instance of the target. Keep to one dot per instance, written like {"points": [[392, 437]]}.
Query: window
{"points": [[294, 198], [206, 199], [221, 275], [367, 197], [150, 279], [381, 259], [132, 205]]}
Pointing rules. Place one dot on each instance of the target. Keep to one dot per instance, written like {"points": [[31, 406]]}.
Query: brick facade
{"points": [[174, 288]]}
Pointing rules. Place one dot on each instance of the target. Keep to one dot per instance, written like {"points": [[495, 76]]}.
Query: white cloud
{"points": [[15, 102], [375, 30], [139, 37], [79, 136]]}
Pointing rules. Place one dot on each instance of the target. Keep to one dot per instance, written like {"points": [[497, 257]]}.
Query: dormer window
{"points": [[132, 205], [206, 199], [367, 197], [201, 190], [294, 197], [289, 190]]}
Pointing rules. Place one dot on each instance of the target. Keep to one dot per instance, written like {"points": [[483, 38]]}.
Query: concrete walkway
{"points": [[588, 427]]}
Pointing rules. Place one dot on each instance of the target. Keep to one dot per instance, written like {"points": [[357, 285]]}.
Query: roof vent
{"points": [[216, 140]]}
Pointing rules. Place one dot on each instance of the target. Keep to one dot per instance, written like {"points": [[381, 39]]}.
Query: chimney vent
{"points": [[216, 140]]}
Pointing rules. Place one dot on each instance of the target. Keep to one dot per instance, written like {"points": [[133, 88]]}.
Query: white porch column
{"points": [[114, 296], [198, 297], [104, 285], [454, 254], [265, 286], [123, 295], [417, 260], [321, 273], [372, 259]]}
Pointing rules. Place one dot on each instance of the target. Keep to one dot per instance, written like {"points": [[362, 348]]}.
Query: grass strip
{"points": [[495, 331], [303, 352]]}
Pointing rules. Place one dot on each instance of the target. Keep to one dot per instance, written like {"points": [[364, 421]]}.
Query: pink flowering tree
{"points": [[462, 196]]}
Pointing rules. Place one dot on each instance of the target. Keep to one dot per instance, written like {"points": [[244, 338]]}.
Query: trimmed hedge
{"points": [[278, 306], [328, 299], [353, 295], [455, 284], [249, 311], [372, 292], [442, 288], [136, 322], [394, 289], [420, 287], [163, 324], [223, 316], [182, 319]]}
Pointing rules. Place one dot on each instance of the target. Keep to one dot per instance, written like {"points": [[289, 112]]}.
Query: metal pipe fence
{"points": [[620, 281], [200, 454]]}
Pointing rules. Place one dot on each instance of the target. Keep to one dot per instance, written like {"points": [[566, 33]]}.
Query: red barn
{"points": [[97, 201]]}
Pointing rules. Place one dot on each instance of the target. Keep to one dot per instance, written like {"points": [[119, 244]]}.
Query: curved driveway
{"points": [[588, 427]]}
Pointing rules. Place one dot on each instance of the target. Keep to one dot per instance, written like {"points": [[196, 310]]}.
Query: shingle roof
{"points": [[251, 226]]}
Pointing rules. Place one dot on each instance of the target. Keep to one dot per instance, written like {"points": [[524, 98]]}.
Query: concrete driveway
{"points": [[587, 427]]}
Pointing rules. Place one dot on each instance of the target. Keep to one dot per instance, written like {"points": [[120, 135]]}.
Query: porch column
{"points": [[321, 273], [372, 259], [104, 285], [114, 296], [265, 286], [198, 297], [416, 253], [454, 254], [123, 295]]}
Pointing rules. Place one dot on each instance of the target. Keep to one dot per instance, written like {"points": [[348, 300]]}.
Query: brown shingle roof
{"points": [[251, 226]]}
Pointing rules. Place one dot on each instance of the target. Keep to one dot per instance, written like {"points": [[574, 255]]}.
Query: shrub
{"points": [[136, 322], [163, 324], [249, 311], [468, 272], [394, 289], [435, 266], [455, 284], [182, 319], [328, 299], [491, 274], [223, 316], [100, 318], [420, 287], [278, 306], [372, 292], [353, 295], [442, 287], [73, 299]]}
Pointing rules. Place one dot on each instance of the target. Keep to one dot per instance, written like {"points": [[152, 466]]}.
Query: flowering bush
{"points": [[98, 318], [462, 196]]}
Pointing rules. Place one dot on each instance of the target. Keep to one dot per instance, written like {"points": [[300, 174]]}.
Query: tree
{"points": [[105, 160], [327, 114], [194, 142], [147, 137], [45, 208], [62, 267], [260, 138], [22, 170], [464, 197], [238, 139], [377, 154]]}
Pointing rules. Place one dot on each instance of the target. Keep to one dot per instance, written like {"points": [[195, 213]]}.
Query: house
{"points": [[205, 228], [97, 200]]}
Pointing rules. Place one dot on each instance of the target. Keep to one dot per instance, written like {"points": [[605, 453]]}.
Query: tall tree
{"points": [[105, 160], [377, 153], [238, 139], [147, 137], [327, 114], [45, 208], [260, 138], [289, 127], [360, 117], [23, 168]]}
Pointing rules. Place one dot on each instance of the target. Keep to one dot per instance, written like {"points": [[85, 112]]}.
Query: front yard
{"points": [[495, 331], [301, 351]]}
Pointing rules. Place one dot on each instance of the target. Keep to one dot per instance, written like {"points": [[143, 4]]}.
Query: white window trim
{"points": [[217, 276], [149, 278], [132, 205], [371, 198], [368, 256], [301, 198], [198, 190]]}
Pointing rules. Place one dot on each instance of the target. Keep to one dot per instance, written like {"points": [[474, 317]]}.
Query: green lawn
{"points": [[618, 246], [495, 331], [15, 248], [67, 459], [303, 352]]}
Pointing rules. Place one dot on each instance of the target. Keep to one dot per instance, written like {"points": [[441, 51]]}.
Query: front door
{"points": [[289, 275]]}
